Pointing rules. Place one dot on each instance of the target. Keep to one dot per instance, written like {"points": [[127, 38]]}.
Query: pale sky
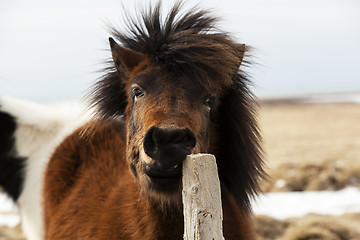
{"points": [[52, 50]]}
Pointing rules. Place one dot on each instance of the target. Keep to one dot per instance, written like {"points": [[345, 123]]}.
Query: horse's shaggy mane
{"points": [[189, 44]]}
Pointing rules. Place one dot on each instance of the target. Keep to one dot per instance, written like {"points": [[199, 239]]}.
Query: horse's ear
{"points": [[240, 50], [125, 60]]}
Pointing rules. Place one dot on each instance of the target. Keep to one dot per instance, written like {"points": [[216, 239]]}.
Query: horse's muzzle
{"points": [[168, 147]]}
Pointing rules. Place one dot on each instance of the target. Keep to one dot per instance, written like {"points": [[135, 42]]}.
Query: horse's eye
{"points": [[210, 102], [138, 93]]}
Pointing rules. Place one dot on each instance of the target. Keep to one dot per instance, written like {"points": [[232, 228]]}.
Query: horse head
{"points": [[179, 86]]}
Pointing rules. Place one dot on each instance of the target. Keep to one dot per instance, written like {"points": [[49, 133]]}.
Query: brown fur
{"points": [[175, 88]]}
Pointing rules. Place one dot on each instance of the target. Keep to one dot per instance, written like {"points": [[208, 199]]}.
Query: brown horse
{"points": [[174, 88]]}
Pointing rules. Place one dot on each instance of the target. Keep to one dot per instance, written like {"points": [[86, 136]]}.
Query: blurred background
{"points": [[307, 77]]}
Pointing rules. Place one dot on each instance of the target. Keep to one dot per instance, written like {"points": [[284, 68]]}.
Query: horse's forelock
{"points": [[186, 43]]}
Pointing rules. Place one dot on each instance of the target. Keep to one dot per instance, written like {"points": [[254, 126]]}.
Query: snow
{"points": [[8, 212], [280, 205], [284, 205]]}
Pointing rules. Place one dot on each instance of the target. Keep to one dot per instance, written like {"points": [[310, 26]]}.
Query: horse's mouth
{"points": [[153, 172], [164, 179]]}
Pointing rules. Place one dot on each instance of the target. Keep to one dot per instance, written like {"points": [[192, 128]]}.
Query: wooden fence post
{"points": [[201, 198]]}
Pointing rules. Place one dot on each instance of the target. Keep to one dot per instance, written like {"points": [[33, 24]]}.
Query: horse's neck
{"points": [[170, 222]]}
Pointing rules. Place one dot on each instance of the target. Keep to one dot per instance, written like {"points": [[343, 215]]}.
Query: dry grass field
{"points": [[8, 233], [311, 146], [309, 227], [308, 147]]}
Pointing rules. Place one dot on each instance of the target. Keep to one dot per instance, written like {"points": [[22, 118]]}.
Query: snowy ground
{"points": [[8, 212], [284, 205], [277, 205]]}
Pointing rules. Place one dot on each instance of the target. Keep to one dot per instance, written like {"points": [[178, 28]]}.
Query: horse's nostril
{"points": [[149, 142], [189, 138], [169, 146]]}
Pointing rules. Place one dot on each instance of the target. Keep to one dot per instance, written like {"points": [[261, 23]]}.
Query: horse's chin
{"points": [[162, 187], [165, 185], [164, 192]]}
